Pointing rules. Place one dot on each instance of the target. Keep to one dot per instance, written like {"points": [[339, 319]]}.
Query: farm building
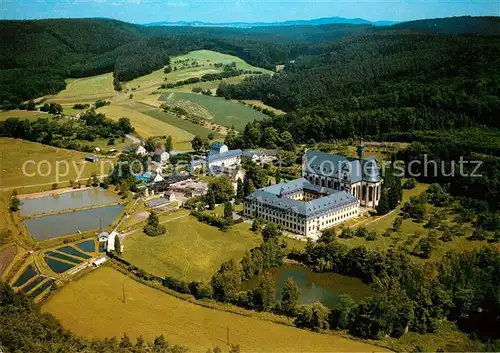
{"points": [[99, 261]]}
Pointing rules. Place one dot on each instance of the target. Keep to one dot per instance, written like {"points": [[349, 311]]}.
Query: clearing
{"points": [[147, 126], [190, 250], [86, 88], [221, 111], [150, 312]]}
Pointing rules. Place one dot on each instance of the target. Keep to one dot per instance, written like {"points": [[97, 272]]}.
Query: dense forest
{"points": [[38, 55]]}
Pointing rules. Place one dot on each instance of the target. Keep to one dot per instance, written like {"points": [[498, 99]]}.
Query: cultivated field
{"points": [[14, 153], [146, 126], [190, 250], [219, 110], [93, 306], [180, 123]]}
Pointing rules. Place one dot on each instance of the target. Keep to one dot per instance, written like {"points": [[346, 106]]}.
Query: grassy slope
{"points": [[145, 125], [88, 86], [150, 312], [180, 123], [189, 250], [16, 152], [222, 111], [209, 56]]}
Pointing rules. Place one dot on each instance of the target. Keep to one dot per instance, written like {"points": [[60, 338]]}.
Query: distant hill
{"points": [[486, 26], [313, 22]]}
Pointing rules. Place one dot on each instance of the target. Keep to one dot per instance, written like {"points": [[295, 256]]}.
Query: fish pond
{"points": [[40, 289], [72, 251], [322, 287], [57, 266], [57, 225], [68, 201], [28, 274], [87, 246]]}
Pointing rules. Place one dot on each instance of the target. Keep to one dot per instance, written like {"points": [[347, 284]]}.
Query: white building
{"points": [[229, 159], [301, 207], [218, 147], [141, 151], [161, 156], [358, 176]]}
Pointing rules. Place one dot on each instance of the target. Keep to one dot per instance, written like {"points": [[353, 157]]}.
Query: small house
{"points": [[218, 147], [160, 156], [141, 151], [157, 178], [170, 196], [103, 237]]}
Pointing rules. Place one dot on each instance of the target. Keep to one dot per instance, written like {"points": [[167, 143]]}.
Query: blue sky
{"points": [[145, 11]]}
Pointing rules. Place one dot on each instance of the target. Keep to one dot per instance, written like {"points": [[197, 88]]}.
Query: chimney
{"points": [[361, 150]]}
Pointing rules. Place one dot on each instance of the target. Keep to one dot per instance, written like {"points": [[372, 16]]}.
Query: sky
{"points": [[147, 11]]}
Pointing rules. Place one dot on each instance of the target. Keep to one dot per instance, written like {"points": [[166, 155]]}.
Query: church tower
{"points": [[361, 150]]}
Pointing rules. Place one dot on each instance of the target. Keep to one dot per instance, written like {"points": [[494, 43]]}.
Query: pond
{"points": [[40, 289], [54, 226], [68, 201], [28, 274], [62, 257], [72, 251], [322, 287], [57, 266], [32, 285], [87, 246]]}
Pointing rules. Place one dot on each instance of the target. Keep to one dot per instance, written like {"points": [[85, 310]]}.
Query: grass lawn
{"points": [[88, 86], [223, 112], [145, 125], [23, 114], [93, 307], [190, 250], [180, 123], [15, 153], [411, 231]]}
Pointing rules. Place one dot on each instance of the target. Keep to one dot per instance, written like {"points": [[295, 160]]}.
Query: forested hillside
{"points": [[37, 56]]}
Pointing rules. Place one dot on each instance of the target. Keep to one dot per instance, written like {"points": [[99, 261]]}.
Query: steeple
{"points": [[361, 150]]}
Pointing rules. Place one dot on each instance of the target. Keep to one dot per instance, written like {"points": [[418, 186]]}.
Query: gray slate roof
{"points": [[333, 201], [221, 156], [334, 165]]}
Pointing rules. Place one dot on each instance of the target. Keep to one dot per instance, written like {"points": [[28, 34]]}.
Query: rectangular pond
{"points": [[72, 251], [63, 257], [87, 246], [40, 289], [32, 285], [57, 225], [28, 274], [68, 201], [57, 266]]}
